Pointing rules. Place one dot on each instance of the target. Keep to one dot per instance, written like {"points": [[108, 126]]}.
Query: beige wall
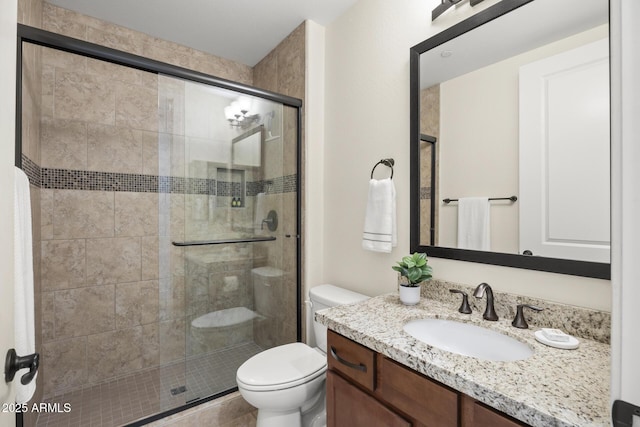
{"points": [[367, 111], [313, 169]]}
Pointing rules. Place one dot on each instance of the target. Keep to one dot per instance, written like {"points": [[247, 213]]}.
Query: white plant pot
{"points": [[409, 295]]}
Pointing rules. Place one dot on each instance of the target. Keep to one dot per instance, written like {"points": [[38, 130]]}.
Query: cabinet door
{"points": [[475, 414], [427, 402], [348, 406]]}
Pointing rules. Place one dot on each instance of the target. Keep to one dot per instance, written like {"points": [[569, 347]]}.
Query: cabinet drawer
{"points": [[351, 359], [428, 402]]}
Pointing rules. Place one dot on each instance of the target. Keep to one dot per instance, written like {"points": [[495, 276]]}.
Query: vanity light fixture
{"points": [[446, 4], [239, 115]]}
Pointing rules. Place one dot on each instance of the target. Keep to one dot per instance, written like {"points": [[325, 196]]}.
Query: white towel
{"points": [[380, 229], [259, 211], [25, 342], [474, 221]]}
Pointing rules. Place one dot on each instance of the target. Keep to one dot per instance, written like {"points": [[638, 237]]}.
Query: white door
{"points": [[8, 17], [564, 126], [625, 156]]}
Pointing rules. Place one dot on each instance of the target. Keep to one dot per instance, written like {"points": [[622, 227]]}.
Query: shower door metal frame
{"points": [[36, 36]]}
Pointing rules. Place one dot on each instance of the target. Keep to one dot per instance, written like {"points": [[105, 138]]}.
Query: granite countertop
{"points": [[551, 388]]}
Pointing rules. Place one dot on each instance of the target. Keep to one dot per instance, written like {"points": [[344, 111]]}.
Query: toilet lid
{"points": [[281, 367]]}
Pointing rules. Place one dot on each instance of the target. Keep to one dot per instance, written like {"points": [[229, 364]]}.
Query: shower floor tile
{"points": [[142, 395]]}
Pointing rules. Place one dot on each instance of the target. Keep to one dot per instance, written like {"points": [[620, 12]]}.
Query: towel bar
{"points": [[512, 198], [387, 162]]}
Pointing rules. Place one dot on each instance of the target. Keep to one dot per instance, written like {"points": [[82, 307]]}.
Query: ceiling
{"points": [[241, 30]]}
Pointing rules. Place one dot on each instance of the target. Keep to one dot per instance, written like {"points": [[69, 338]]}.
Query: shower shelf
{"points": [[224, 241]]}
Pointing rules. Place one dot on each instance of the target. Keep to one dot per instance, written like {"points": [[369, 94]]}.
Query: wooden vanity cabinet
{"points": [[367, 389]]}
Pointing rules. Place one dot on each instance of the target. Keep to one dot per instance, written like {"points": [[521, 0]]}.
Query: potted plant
{"points": [[416, 270]]}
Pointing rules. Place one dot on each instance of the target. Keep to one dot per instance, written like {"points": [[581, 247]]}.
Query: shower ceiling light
{"points": [[238, 113]]}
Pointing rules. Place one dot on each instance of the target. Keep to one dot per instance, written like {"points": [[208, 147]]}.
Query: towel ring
{"points": [[387, 162]]}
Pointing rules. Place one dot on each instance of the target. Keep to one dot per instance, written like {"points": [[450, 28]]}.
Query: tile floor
{"points": [[139, 396]]}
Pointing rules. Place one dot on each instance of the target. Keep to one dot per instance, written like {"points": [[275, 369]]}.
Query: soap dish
{"points": [[565, 345]]}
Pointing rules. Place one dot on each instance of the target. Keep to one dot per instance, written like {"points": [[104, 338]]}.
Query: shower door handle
{"points": [[13, 363]]}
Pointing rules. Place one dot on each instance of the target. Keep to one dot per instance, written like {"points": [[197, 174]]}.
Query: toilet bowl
{"points": [[287, 383]]}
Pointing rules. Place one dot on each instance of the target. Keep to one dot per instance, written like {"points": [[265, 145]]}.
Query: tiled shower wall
{"points": [[283, 71], [103, 308], [101, 239], [76, 25]]}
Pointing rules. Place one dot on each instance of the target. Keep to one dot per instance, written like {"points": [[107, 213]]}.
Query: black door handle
{"points": [[622, 413], [13, 363]]}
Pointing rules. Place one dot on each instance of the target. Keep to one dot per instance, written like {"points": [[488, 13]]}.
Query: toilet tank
{"points": [[325, 296], [267, 286]]}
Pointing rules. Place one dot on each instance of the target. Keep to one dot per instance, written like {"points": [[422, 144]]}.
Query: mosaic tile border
{"points": [[425, 193], [68, 179], [33, 171]]}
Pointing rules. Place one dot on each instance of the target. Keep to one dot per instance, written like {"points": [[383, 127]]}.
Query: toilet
{"points": [[287, 383]]}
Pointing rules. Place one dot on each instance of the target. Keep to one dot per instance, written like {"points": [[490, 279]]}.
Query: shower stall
{"points": [[166, 228]]}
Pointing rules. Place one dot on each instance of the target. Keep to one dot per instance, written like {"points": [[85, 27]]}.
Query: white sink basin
{"points": [[468, 340]]}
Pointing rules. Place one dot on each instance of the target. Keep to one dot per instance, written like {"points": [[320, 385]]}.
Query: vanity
{"points": [[380, 375], [395, 395]]}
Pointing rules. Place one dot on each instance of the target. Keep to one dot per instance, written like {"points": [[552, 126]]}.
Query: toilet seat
{"points": [[281, 367]]}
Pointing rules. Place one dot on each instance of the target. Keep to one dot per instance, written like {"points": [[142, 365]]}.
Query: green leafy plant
{"points": [[414, 268]]}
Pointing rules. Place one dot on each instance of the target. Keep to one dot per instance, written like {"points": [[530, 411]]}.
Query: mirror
{"points": [[512, 105], [247, 148]]}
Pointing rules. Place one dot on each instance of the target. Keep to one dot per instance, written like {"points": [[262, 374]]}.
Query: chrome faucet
{"points": [[489, 312]]}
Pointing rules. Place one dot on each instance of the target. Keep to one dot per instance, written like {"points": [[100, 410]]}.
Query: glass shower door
{"points": [[231, 221]]}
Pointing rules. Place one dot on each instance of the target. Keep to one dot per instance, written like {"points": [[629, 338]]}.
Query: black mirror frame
{"points": [[553, 265]]}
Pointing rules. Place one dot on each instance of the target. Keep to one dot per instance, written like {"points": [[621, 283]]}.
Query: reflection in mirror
{"points": [[518, 109], [247, 148], [428, 189]]}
